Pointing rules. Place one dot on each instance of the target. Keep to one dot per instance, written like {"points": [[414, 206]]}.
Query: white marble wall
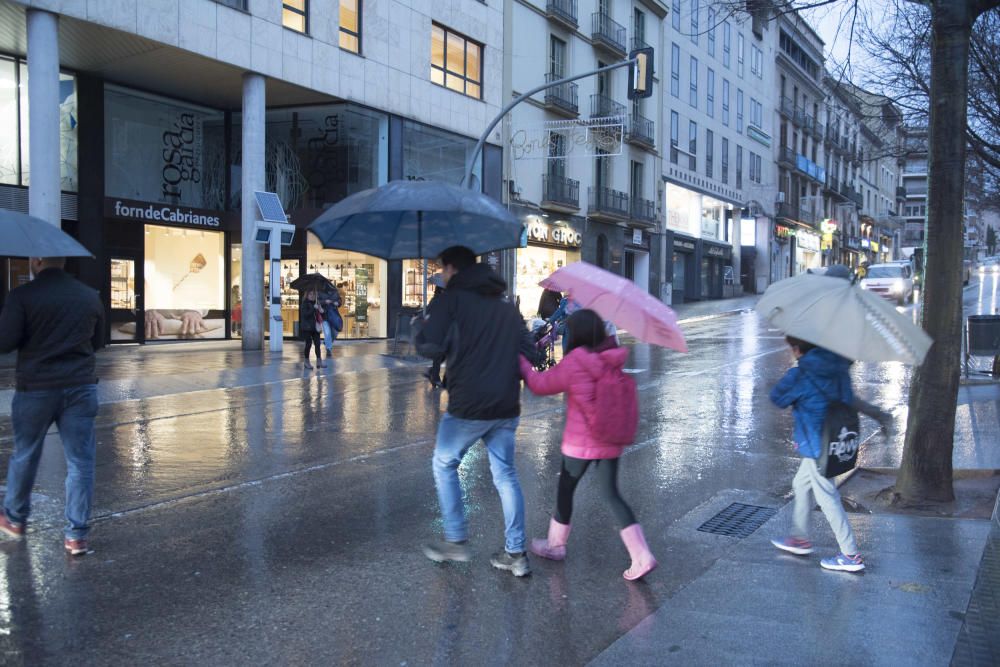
{"points": [[392, 74]]}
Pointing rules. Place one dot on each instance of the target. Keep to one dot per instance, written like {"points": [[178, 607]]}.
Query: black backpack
{"points": [[840, 438]]}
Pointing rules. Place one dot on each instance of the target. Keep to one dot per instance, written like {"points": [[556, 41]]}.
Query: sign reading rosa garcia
{"points": [[182, 152]]}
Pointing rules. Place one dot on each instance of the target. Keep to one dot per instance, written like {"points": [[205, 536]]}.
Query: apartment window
{"points": [[693, 145], [557, 155], [557, 57], [694, 21], [739, 110], [740, 54], [675, 121], [350, 25], [710, 85], [756, 61], [727, 43], [709, 153], [637, 180], [739, 167], [639, 25], [675, 14], [675, 70], [711, 32], [725, 102], [755, 167], [725, 160], [756, 113], [693, 97], [456, 62], [294, 15]]}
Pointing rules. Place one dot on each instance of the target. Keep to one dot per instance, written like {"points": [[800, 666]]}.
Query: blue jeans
{"points": [[329, 335], [73, 410], [454, 438]]}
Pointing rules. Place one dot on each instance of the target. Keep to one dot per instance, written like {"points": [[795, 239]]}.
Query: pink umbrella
{"points": [[621, 301]]}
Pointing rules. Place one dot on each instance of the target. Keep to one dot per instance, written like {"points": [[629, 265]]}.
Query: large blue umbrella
{"points": [[417, 219], [24, 235]]}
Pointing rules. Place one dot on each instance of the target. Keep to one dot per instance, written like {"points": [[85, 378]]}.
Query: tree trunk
{"points": [[926, 470]]}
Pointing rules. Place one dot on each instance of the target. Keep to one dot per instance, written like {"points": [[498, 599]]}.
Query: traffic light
{"points": [[640, 73]]}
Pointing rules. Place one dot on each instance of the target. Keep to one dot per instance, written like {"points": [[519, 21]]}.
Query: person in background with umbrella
{"points": [[819, 377], [310, 324], [56, 324], [480, 335], [433, 374], [333, 323], [593, 358]]}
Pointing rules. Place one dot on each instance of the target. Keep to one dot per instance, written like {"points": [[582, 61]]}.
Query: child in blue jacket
{"points": [[819, 377]]}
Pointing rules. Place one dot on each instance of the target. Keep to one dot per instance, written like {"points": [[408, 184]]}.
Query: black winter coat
{"points": [[307, 317], [479, 333]]}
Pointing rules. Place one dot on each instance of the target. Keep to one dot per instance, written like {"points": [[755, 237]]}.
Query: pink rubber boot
{"points": [[643, 561], [553, 548]]}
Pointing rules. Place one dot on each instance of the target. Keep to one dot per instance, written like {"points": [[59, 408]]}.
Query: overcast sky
{"points": [[833, 23]]}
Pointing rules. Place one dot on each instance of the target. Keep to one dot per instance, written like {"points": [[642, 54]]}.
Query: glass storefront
{"points": [[15, 167], [159, 150], [534, 264], [430, 154], [363, 283]]}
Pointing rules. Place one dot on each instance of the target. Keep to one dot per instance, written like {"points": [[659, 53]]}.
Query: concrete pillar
{"points": [[253, 179], [44, 198]]}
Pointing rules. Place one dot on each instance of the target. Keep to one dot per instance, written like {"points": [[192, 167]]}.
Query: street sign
{"points": [[640, 73]]}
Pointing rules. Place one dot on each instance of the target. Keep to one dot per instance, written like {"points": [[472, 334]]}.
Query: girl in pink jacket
{"points": [[590, 354]]}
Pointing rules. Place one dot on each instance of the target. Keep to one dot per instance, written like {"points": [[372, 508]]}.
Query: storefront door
{"points": [[127, 320]]}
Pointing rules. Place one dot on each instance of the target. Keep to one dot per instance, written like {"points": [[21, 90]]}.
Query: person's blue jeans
{"points": [[454, 438], [329, 335], [72, 410]]}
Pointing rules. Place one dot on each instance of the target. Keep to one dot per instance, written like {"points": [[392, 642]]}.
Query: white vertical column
{"points": [[43, 116], [253, 179]]}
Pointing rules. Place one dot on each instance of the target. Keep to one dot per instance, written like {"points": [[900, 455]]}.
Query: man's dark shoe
{"points": [[441, 552], [9, 527], [516, 564], [75, 547]]}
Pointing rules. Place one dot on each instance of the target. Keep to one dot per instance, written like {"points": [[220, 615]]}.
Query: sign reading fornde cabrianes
{"points": [[164, 214]]}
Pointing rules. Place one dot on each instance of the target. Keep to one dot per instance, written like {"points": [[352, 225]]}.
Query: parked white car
{"points": [[990, 265], [892, 281]]}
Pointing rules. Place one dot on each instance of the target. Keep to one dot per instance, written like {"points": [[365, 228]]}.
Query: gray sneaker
{"points": [[517, 564], [442, 551]]}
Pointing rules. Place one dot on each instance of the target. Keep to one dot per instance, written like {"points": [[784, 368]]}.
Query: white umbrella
{"points": [[839, 316]]}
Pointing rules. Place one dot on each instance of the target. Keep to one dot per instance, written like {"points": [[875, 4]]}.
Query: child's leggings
{"points": [[607, 478]]}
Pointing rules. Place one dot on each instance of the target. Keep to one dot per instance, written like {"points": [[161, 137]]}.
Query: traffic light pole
{"points": [[467, 179]]}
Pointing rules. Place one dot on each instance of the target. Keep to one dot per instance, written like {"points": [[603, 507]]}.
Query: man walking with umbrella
{"points": [[56, 324], [479, 333]]}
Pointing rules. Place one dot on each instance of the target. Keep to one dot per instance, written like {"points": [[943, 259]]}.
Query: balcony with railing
{"points": [[562, 99], [602, 106], [608, 204], [818, 130], [563, 12], [786, 156], [856, 197], [787, 108], [832, 184], [560, 193], [608, 34], [641, 132], [787, 210], [643, 211], [900, 192], [800, 117]]}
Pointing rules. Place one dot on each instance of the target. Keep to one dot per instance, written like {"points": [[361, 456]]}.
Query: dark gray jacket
{"points": [[55, 323]]}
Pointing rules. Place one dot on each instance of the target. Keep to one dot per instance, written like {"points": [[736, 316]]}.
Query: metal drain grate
{"points": [[738, 520]]}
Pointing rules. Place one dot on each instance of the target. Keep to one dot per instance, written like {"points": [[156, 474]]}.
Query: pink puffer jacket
{"points": [[577, 375]]}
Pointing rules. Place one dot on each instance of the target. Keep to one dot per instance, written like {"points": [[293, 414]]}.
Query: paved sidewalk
{"points": [[911, 606]]}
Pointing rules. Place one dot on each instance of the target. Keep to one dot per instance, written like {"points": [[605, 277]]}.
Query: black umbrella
{"points": [[24, 235], [312, 281]]}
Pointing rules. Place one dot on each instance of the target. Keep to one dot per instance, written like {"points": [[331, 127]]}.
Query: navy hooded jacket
{"points": [[821, 376]]}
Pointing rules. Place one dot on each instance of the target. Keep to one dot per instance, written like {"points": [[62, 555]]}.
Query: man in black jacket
{"points": [[479, 334], [55, 323]]}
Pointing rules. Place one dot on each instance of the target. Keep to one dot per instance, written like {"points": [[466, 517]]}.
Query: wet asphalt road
{"points": [[281, 523]]}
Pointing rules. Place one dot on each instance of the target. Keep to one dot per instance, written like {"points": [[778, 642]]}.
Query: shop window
{"points": [[362, 281], [430, 154], [414, 279], [295, 15], [184, 288], [456, 62], [163, 151], [350, 25], [534, 264], [15, 167]]}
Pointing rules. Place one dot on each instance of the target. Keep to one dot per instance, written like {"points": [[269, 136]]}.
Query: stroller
{"points": [[545, 335]]}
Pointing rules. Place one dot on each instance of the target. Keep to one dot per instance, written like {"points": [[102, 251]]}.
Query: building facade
{"points": [[168, 112], [582, 169]]}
